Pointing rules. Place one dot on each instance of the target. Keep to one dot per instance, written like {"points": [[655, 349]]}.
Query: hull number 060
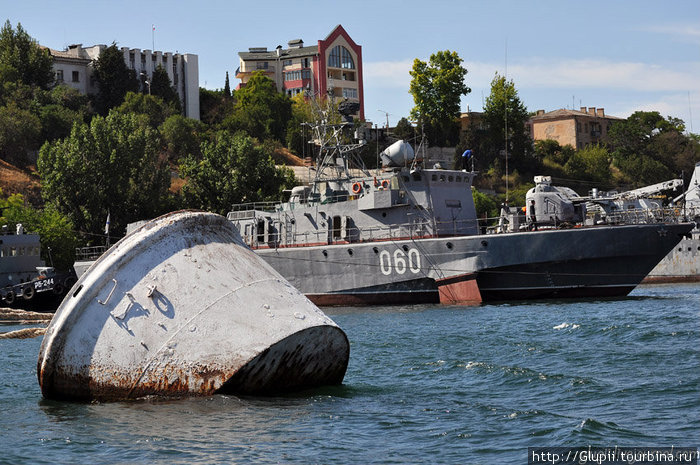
{"points": [[399, 261]]}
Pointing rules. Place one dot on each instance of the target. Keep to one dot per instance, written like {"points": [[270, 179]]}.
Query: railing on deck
{"points": [[89, 253]]}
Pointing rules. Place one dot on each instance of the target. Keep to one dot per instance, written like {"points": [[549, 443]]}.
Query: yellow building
{"points": [[570, 127]]}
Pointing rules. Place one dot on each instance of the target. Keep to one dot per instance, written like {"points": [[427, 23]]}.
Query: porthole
{"points": [[325, 253], [405, 248], [484, 243], [376, 249], [449, 245], [350, 252]]}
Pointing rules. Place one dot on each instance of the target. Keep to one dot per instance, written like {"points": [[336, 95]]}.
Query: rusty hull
{"points": [[182, 307]]}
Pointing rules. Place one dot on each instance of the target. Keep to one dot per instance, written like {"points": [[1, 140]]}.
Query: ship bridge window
{"points": [[13, 251], [450, 178], [458, 179], [442, 178], [434, 178]]}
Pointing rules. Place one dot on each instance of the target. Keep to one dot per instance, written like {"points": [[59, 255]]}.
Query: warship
{"points": [[409, 233]]}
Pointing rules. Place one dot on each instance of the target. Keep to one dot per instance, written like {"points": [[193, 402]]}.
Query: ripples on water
{"points": [[426, 384]]}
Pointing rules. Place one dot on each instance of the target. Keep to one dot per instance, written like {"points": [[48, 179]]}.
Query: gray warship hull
{"points": [[559, 263]]}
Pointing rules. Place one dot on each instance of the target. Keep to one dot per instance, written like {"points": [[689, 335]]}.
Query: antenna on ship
{"points": [[505, 104]]}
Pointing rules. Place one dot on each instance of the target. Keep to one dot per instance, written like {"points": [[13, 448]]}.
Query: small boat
{"points": [[24, 278]]}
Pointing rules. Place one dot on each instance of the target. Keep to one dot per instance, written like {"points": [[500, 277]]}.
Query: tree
{"points": [[591, 163], [298, 134], [437, 87], [154, 109], [260, 110], [113, 78], [113, 165], [20, 131], [23, 60], [161, 87], [648, 148], [182, 136], [404, 130], [503, 109], [232, 170], [227, 88], [214, 107]]}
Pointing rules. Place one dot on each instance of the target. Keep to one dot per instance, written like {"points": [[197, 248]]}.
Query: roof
{"points": [[566, 113], [66, 55], [286, 53]]}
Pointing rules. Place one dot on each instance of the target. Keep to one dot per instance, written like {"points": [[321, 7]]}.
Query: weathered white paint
{"points": [[181, 307]]}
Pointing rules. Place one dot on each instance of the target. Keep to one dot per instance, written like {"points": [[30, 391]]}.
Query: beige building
{"points": [[570, 127], [73, 67]]}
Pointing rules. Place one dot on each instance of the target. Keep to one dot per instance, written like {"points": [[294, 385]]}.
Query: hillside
{"points": [[17, 181]]}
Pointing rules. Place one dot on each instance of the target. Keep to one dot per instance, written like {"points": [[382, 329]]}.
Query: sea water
{"points": [[425, 384]]}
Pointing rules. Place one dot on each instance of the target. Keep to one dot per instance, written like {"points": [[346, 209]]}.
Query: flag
{"points": [[467, 154], [107, 225], [153, 26]]}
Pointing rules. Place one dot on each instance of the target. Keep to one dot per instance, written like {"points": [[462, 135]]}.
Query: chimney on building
{"points": [[591, 111], [583, 109], [601, 112], [540, 112], [295, 43]]}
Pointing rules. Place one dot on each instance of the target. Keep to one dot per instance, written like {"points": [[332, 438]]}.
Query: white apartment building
{"points": [[73, 67]]}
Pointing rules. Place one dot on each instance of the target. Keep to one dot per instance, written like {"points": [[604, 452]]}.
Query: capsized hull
{"points": [[182, 307], [578, 262]]}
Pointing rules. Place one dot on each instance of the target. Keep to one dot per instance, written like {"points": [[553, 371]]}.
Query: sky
{"points": [[623, 56]]}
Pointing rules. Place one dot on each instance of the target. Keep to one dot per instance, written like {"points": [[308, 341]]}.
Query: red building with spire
{"points": [[332, 67]]}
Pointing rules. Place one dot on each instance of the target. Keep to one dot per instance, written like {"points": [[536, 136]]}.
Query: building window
{"points": [[59, 75], [340, 57], [261, 65], [287, 63], [347, 60], [76, 76], [304, 62], [306, 74], [350, 93]]}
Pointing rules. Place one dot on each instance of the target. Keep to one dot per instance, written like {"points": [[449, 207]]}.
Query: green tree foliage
{"points": [[504, 109], [214, 107], [227, 87], [23, 60], [153, 108], [486, 206], [112, 165], [58, 240], [232, 170], [162, 87], [648, 148], [404, 130], [261, 110], [114, 78], [591, 163], [182, 137], [437, 87], [19, 133], [298, 133]]}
